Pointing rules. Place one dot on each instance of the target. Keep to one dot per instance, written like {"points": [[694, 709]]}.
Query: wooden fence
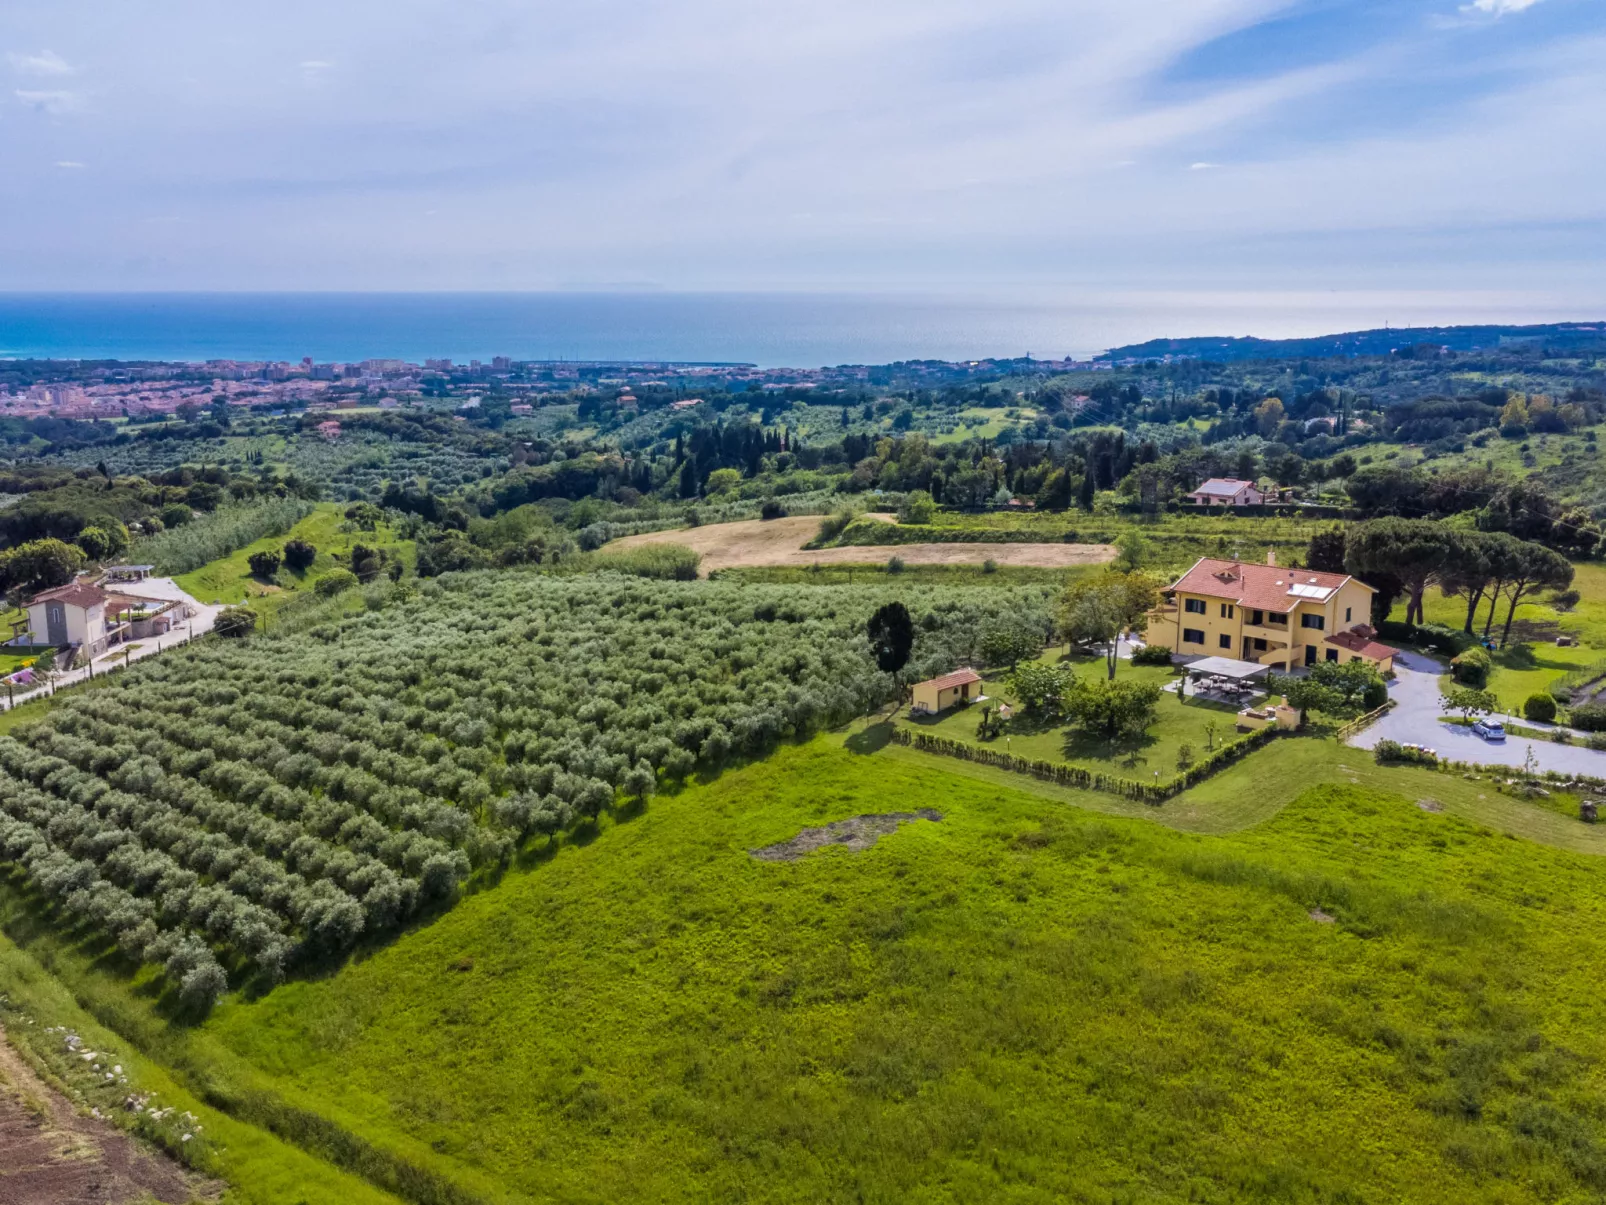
{"points": [[1355, 725]]}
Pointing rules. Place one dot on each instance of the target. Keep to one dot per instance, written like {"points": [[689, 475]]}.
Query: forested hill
{"points": [[1561, 335]]}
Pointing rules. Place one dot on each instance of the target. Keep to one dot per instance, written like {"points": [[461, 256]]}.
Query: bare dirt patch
{"points": [[856, 833], [1432, 805], [52, 1155], [1320, 917], [755, 543]]}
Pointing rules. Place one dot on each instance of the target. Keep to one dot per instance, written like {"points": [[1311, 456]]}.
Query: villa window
{"points": [[1226, 641], [1226, 610], [1256, 618], [1332, 654], [1192, 636], [1349, 613], [1273, 617], [1312, 621], [1194, 606]]}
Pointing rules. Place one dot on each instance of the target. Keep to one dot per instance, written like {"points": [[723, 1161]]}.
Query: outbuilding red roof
{"points": [[76, 594], [958, 678], [1259, 587], [1362, 645]]}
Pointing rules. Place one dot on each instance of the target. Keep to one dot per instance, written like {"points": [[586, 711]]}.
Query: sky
{"points": [[1131, 149]]}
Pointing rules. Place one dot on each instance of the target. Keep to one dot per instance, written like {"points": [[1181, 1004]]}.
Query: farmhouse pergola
{"points": [[1226, 667], [1230, 675]]}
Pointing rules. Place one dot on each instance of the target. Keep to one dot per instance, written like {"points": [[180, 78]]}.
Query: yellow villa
{"points": [[1284, 618]]}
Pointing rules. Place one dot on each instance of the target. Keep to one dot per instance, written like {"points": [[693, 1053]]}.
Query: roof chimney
{"points": [[1271, 556]]}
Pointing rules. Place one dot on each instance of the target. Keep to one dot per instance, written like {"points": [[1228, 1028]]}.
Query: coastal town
{"points": [[89, 389]]}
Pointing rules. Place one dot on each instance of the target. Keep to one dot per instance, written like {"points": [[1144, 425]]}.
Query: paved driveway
{"points": [[1415, 720]]}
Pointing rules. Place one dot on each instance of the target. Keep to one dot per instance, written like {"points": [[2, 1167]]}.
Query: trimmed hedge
{"points": [[1076, 776], [877, 533], [1152, 654]]}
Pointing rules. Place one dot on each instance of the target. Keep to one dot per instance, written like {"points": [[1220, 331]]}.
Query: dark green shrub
{"points": [[1471, 667], [1152, 654], [1392, 753], [1590, 717], [335, 582], [299, 555], [771, 510], [1447, 642], [264, 564], [233, 622], [1541, 708], [1375, 695]]}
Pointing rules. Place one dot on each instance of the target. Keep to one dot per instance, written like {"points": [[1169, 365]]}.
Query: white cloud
{"points": [[55, 102], [926, 140], [46, 62], [1499, 8], [68, 163]]}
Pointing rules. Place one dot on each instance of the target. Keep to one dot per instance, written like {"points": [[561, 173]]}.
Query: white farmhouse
{"points": [[72, 614]]}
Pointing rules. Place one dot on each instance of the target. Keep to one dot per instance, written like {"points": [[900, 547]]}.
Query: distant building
{"points": [[330, 429], [501, 364], [1227, 491]]}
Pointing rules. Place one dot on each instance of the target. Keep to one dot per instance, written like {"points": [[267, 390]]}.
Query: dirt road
{"points": [[52, 1155], [764, 542]]}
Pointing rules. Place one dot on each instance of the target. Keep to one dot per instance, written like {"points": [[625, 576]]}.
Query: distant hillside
{"points": [[1561, 335]]}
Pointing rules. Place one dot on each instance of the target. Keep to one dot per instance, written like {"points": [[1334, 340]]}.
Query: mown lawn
{"points": [[1026, 1001], [1176, 724], [1526, 668]]}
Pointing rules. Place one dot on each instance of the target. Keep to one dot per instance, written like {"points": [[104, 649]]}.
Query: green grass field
{"points": [[1525, 668], [1026, 1001], [1307, 979], [229, 580]]}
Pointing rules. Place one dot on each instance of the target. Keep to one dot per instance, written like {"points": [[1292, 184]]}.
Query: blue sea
{"points": [[768, 329]]}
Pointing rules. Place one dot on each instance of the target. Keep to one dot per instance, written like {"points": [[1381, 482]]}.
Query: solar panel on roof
{"points": [[1306, 591]]}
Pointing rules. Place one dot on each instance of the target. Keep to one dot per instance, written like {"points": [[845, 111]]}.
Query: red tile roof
{"points": [[76, 594], [958, 678], [1259, 587], [1364, 645]]}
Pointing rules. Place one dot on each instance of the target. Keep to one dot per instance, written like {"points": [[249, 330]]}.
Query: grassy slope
{"points": [[264, 1169], [229, 579], [1024, 1002]]}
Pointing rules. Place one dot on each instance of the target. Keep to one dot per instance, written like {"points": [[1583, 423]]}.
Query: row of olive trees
{"points": [[283, 799]]}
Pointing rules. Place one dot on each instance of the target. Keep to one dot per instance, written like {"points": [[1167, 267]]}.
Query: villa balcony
{"points": [[1268, 633]]}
